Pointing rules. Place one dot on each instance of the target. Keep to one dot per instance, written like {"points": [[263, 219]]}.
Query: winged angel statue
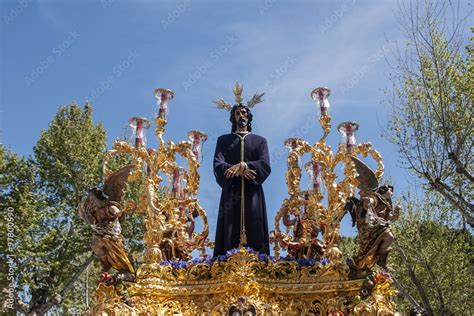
{"points": [[372, 214], [101, 210]]}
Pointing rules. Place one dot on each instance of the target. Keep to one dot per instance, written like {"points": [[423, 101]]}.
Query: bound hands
{"points": [[240, 169]]}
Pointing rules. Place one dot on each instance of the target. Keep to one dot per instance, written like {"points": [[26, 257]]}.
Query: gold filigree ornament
{"points": [[169, 224], [380, 302], [313, 280], [309, 213]]}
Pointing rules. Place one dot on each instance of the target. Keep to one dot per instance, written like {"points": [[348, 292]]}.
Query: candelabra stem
{"points": [[325, 122], [160, 124]]}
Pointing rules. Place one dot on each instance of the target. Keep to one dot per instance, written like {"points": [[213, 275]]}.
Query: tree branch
{"points": [[442, 306], [20, 306], [454, 198], [417, 283], [460, 169], [58, 297]]}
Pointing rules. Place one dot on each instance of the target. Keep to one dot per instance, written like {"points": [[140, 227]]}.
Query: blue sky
{"points": [[114, 53]]}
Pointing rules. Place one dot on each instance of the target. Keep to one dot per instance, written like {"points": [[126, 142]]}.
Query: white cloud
{"points": [[313, 58]]}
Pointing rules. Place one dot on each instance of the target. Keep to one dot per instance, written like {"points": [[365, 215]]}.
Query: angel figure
{"points": [[101, 210], [314, 248], [372, 214]]}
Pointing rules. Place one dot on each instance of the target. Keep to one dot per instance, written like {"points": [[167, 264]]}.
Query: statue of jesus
{"points": [[241, 165]]}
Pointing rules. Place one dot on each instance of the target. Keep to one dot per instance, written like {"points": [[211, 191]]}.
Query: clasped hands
{"points": [[240, 169]]}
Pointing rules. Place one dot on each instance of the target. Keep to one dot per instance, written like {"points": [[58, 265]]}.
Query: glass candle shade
{"points": [[320, 96], [315, 177], [347, 130], [178, 188], [292, 144], [162, 97], [197, 140], [139, 126]]}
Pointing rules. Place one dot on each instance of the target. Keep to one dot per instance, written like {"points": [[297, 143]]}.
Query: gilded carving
{"points": [[312, 280]]}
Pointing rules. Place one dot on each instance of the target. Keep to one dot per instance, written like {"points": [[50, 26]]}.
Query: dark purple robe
{"points": [[228, 222]]}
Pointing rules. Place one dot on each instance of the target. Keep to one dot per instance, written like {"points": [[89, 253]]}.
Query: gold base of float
{"points": [[244, 284]]}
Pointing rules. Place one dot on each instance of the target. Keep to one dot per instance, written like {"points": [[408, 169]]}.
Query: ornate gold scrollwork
{"points": [[244, 282]]}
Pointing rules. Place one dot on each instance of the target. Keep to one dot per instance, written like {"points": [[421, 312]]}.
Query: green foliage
{"points": [[431, 122], [432, 126], [51, 240], [348, 246], [440, 253], [69, 154]]}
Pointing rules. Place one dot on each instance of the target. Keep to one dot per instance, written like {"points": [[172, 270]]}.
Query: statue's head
{"points": [[241, 116], [386, 191], [99, 194]]}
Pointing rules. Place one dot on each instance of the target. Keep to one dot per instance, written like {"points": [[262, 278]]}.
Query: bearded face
{"points": [[241, 117]]}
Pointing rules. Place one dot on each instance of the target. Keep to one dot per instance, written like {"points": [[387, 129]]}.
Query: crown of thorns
{"points": [[238, 89]]}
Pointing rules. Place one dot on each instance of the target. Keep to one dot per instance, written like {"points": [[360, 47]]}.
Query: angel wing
{"points": [[366, 177], [115, 183], [351, 206], [85, 210], [257, 98], [221, 104]]}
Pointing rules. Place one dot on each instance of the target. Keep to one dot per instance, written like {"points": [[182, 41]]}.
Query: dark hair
{"points": [[232, 117], [384, 188]]}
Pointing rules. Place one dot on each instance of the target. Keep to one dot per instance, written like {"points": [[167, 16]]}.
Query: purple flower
{"points": [[181, 265], [288, 258], [302, 262], [221, 258], [263, 257], [198, 260], [175, 264], [232, 252], [324, 261]]}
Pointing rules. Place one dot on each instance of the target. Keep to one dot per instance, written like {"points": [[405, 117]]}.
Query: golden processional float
{"points": [[311, 278]]}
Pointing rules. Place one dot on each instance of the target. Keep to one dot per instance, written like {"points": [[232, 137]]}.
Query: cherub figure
{"points": [[101, 210], [372, 214], [314, 248]]}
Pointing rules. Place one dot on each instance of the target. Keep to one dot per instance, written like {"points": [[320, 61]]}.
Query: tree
{"points": [[433, 258], [432, 101], [51, 241]]}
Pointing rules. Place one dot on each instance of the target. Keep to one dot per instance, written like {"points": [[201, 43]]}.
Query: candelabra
{"points": [[243, 281], [318, 211], [170, 215]]}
